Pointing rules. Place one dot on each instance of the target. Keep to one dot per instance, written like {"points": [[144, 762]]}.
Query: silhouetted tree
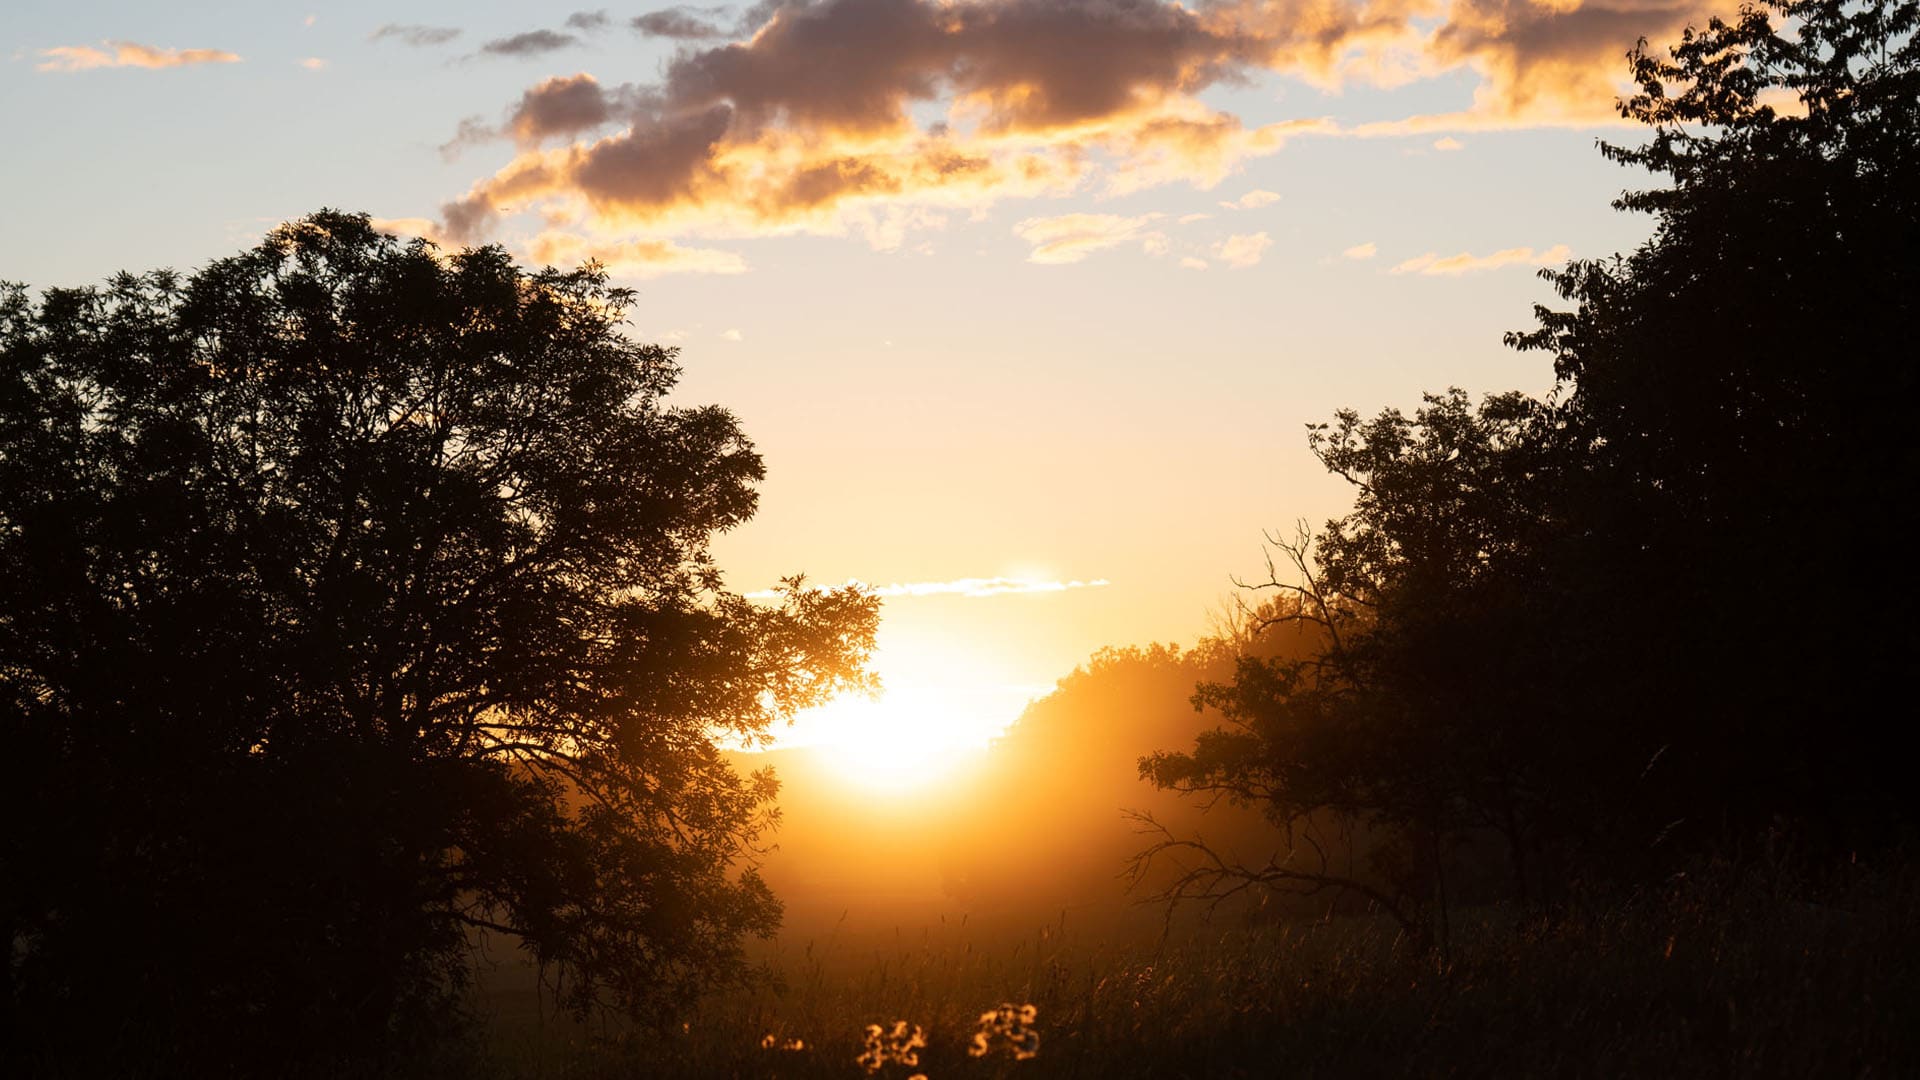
{"points": [[357, 595], [1737, 395], [1584, 628]]}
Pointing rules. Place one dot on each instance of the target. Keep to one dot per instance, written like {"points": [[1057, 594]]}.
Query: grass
{"points": [[1720, 974]]}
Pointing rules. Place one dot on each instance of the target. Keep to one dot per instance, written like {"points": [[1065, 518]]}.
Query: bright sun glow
{"points": [[909, 739], [944, 700]]}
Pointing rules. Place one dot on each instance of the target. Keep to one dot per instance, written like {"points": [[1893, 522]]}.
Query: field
{"points": [[1718, 974]]}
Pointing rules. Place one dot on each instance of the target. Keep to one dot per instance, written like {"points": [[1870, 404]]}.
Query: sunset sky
{"points": [[1026, 302]]}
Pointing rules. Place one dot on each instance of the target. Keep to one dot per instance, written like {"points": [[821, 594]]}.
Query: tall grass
{"points": [[1720, 973]]}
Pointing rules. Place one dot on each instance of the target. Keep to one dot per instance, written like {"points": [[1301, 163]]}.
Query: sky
{"points": [[1026, 303]]}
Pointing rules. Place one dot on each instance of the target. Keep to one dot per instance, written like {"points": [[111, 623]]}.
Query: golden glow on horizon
{"points": [[911, 740], [943, 699]]}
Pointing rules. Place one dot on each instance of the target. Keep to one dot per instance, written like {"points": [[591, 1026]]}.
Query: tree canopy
{"points": [[1662, 609], [359, 596]]}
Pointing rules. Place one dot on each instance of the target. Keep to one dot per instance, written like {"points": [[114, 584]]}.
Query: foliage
{"points": [[1649, 614], [1736, 391], [359, 597], [1720, 973]]}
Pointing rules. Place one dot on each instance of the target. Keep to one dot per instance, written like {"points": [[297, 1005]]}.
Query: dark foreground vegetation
{"points": [[1723, 972], [357, 608]]}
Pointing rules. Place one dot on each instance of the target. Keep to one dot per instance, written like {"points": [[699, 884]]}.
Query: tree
{"points": [[1377, 754], [1660, 610], [359, 596], [1737, 392]]}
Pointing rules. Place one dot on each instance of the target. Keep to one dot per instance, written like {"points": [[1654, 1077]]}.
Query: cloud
{"points": [[1188, 219], [1447, 144], [314, 63], [471, 131], [1069, 238], [591, 22], [1433, 265], [1253, 200], [1190, 263], [408, 226], [1361, 251], [732, 335], [685, 24], [634, 257], [1038, 96], [1559, 59], [128, 54], [415, 35], [934, 106], [559, 107], [531, 43], [969, 587], [1241, 252]]}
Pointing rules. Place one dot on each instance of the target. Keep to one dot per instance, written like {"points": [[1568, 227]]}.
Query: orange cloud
{"points": [[1252, 200], [1240, 252], [128, 54], [864, 116], [408, 226], [1558, 59], [1072, 237], [1039, 95], [634, 257], [1431, 264]]}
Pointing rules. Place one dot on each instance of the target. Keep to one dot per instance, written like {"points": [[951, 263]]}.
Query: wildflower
{"points": [[899, 1046], [1008, 1025]]}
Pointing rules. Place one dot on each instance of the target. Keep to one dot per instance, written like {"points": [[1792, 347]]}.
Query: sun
{"points": [[902, 742]]}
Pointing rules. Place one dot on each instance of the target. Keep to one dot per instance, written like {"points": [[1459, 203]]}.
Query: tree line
{"points": [[357, 600], [1577, 640]]}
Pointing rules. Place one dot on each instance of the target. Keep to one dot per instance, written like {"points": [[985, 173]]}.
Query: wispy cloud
{"points": [[1253, 200], [118, 54], [1069, 238], [1448, 144], [415, 35], [591, 22], [1466, 262], [969, 587], [683, 24], [530, 43], [1361, 251], [635, 256], [408, 226], [1241, 252]]}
